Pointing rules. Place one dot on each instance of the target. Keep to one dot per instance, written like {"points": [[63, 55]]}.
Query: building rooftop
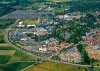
{"points": [[93, 53]]}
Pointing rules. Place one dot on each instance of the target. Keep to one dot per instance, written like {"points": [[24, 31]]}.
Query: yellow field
{"points": [[2, 31], [4, 44], [37, 69], [7, 52], [14, 59], [52, 66]]}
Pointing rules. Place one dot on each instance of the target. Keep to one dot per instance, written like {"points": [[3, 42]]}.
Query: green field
{"points": [[15, 66], [20, 56], [2, 32], [4, 47], [5, 23], [7, 52], [52, 66], [10, 54], [30, 21], [3, 44], [4, 59], [97, 69]]}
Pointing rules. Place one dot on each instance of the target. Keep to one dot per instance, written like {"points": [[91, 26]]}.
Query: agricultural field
{"points": [[5, 23], [17, 66], [6, 47], [2, 32], [5, 55], [4, 59], [4, 44], [52, 66], [9, 54], [6, 52], [20, 56]]}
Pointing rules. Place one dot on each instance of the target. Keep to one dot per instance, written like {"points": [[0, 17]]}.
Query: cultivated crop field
{"points": [[52, 66], [7, 52], [4, 59], [2, 32], [5, 46], [17, 66], [5, 23], [20, 56]]}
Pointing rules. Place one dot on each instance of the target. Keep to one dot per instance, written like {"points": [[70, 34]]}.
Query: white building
{"points": [[43, 48], [31, 26], [66, 16], [20, 24], [23, 39]]}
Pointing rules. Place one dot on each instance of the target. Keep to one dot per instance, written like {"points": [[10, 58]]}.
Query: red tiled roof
{"points": [[95, 38]]}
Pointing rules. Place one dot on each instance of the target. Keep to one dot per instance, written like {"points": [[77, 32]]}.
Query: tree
{"points": [[80, 48], [84, 54], [55, 57]]}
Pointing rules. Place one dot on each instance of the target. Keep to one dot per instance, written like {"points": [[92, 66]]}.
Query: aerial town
{"points": [[47, 35]]}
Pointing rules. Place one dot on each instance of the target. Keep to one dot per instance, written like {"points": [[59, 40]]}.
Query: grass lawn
{"points": [[52, 66], [4, 59], [15, 66]]}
